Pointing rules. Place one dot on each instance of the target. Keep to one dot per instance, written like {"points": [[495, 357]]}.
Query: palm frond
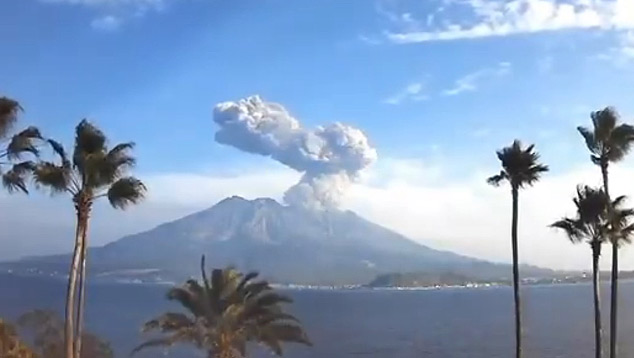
{"points": [[272, 298], [52, 176], [497, 179], [15, 179], [23, 142], [619, 201], [604, 122], [126, 191], [256, 288], [120, 155], [59, 150], [572, 228], [588, 136], [161, 342], [9, 110], [520, 166], [169, 321], [187, 298], [621, 140], [88, 140], [286, 333], [246, 279]]}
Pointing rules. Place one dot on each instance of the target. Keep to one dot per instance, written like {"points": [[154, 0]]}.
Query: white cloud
{"points": [[412, 92], [470, 82], [470, 217], [106, 23], [504, 17]]}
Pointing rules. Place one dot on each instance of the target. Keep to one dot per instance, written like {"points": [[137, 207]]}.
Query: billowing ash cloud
{"points": [[330, 157]]}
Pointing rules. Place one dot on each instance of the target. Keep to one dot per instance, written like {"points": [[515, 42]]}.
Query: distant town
{"points": [[392, 281]]}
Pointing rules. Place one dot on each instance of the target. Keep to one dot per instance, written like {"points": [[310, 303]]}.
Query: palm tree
{"points": [[590, 225], [13, 148], [94, 172], [609, 142], [521, 168], [225, 313]]}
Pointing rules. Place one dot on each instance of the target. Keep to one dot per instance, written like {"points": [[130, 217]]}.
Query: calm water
{"points": [[457, 323]]}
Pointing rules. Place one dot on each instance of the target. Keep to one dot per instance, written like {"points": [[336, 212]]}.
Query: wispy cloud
{"points": [[623, 53], [106, 23], [470, 82], [500, 18], [370, 40], [412, 92], [111, 14]]}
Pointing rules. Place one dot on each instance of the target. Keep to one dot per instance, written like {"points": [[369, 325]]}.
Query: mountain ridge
{"points": [[286, 244]]}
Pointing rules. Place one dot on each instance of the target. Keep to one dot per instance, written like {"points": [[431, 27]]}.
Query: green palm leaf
{"points": [[15, 179], [9, 109], [126, 191]]}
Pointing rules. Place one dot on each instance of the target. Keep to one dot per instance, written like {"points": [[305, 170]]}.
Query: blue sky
{"points": [[437, 86]]}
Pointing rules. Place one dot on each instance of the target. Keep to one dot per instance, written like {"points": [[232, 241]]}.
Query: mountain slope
{"points": [[286, 244]]}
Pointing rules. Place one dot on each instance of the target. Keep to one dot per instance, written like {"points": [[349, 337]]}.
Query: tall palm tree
{"points": [[225, 313], [521, 168], [14, 147], [591, 226], [93, 172], [609, 141]]}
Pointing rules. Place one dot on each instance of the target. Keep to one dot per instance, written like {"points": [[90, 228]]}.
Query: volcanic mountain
{"points": [[286, 244]]}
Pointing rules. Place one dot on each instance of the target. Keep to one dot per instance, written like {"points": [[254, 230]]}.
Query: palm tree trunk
{"points": [[79, 324], [598, 334], [71, 290], [615, 270], [516, 283], [614, 300]]}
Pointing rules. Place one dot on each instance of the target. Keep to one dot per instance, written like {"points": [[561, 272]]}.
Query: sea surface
{"points": [[452, 323]]}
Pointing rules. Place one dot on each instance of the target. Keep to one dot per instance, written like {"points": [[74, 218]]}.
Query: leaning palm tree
{"points": [[590, 226], [521, 168], [93, 172], [226, 313], [609, 142], [13, 168]]}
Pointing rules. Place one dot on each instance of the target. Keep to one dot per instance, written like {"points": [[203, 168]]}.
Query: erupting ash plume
{"points": [[330, 157]]}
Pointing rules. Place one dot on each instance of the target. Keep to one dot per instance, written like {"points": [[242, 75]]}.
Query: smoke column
{"points": [[329, 157]]}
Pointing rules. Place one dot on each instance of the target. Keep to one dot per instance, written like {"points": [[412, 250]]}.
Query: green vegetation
{"points": [[224, 314], [521, 168]]}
